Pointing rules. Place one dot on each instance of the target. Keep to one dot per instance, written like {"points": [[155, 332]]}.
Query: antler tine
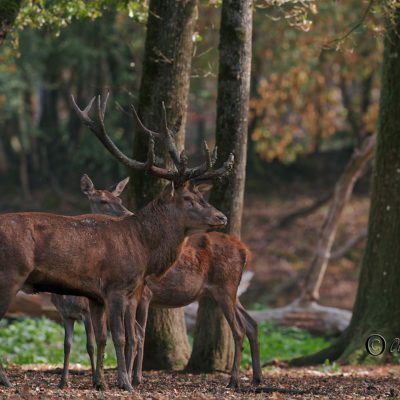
{"points": [[101, 134], [218, 173], [214, 156], [207, 155], [99, 130], [104, 105], [150, 155], [173, 151], [84, 114], [182, 166], [140, 123], [203, 168]]}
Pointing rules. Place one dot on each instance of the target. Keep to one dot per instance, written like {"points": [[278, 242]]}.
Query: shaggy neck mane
{"points": [[164, 233]]}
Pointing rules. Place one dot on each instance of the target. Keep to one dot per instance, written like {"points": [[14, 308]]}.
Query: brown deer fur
{"points": [[209, 264], [163, 228], [101, 257], [76, 308]]}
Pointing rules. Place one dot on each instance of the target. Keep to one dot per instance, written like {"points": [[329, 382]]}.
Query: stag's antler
{"points": [[178, 176]]}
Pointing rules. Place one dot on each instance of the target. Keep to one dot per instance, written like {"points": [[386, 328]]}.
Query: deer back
{"points": [[208, 262]]}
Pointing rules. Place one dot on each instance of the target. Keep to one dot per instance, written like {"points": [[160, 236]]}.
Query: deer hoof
{"points": [[3, 378], [233, 383], [100, 385], [136, 381], [256, 381], [127, 387], [63, 384]]}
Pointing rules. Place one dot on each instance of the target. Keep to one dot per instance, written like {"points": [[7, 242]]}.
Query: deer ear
{"points": [[87, 186], [168, 192], [204, 188], [117, 189]]}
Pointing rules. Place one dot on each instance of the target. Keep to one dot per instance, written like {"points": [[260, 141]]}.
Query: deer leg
{"points": [[8, 292], [252, 334], [90, 341], [68, 335], [98, 313], [128, 355], [141, 319], [132, 335], [237, 326], [3, 376], [116, 317]]}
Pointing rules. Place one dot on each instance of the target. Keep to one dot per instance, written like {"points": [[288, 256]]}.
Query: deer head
{"points": [[181, 194], [197, 214], [105, 201]]}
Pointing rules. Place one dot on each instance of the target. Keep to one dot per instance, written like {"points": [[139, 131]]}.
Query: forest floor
{"points": [[341, 383]]}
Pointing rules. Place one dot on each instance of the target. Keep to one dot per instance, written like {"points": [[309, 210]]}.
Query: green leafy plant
{"points": [[330, 368], [284, 343], [35, 341]]}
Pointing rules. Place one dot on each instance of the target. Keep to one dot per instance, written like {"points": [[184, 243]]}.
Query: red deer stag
{"points": [[182, 189], [209, 264], [105, 258]]}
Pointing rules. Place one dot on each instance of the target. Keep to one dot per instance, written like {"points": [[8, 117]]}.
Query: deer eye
{"points": [[103, 201], [187, 198]]}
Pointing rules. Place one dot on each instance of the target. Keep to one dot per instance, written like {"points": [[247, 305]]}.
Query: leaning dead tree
{"points": [[343, 189], [305, 311]]}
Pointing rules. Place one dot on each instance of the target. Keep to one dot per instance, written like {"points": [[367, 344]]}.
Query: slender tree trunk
{"points": [[8, 12], [3, 158], [166, 76], [212, 347], [49, 119], [377, 305], [23, 166]]}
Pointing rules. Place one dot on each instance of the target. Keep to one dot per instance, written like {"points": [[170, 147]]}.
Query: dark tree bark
{"points": [[166, 76], [376, 309], [8, 12], [212, 347]]}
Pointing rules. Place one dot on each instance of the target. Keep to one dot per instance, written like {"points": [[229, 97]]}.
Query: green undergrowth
{"points": [[32, 341], [36, 341], [284, 343]]}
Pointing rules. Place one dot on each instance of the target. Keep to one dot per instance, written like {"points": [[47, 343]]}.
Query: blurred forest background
{"points": [[313, 99]]}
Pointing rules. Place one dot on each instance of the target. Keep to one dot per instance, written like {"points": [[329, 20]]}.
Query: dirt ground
{"points": [[40, 382]]}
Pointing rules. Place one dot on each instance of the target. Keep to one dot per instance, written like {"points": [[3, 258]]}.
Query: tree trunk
{"points": [[8, 12], [376, 309], [212, 347], [166, 77]]}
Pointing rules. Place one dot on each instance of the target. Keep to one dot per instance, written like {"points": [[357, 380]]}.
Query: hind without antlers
{"points": [[180, 175]]}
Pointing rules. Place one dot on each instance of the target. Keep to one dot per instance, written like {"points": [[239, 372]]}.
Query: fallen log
{"points": [[33, 305], [311, 316]]}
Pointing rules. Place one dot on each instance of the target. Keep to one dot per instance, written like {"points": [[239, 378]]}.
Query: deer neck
{"points": [[164, 234]]}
